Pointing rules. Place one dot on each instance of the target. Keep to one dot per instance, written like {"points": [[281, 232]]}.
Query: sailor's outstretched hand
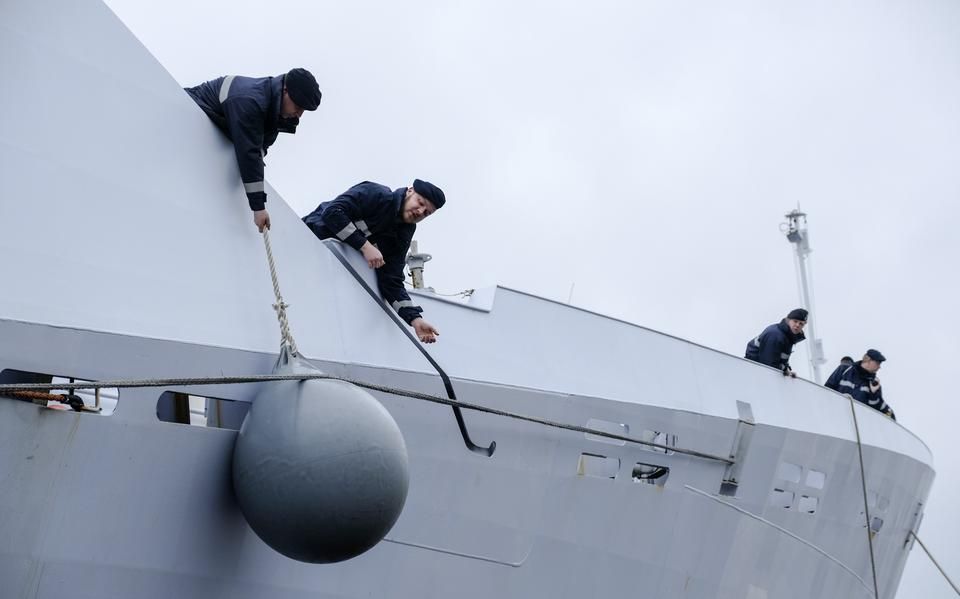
{"points": [[261, 218], [372, 255], [425, 331]]}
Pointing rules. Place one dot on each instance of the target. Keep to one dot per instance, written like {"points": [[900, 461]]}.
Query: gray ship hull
{"points": [[128, 506], [129, 255]]}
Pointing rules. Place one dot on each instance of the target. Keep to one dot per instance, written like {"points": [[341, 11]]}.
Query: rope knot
{"points": [[286, 337]]}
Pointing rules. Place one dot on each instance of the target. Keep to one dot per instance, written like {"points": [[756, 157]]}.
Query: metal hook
{"points": [[486, 451]]}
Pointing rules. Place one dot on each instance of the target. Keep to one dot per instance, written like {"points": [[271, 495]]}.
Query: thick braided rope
{"points": [[7, 388], [286, 337]]}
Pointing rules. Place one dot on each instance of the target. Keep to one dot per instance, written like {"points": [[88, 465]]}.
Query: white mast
{"points": [[796, 231], [415, 261]]}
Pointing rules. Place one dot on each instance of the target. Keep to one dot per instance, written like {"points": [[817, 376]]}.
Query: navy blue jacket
{"points": [[855, 381], [774, 345], [371, 212], [248, 111]]}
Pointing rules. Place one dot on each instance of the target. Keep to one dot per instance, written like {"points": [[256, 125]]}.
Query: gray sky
{"points": [[646, 152]]}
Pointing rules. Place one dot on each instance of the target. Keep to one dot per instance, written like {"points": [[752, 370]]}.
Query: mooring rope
{"points": [[286, 337], [930, 555], [866, 506], [265, 378]]}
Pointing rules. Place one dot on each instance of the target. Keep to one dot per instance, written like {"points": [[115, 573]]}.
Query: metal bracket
{"points": [[914, 527], [738, 450]]}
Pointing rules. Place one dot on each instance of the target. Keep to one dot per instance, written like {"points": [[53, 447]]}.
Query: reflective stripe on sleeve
{"points": [[253, 187], [225, 87], [847, 384], [784, 356], [362, 225], [403, 304], [346, 232]]}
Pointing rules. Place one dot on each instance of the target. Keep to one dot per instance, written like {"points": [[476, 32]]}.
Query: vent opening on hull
{"points": [[816, 479], [614, 428], [808, 484], [618, 428], [660, 438], [96, 401], [650, 474], [789, 472], [196, 410], [808, 504], [877, 502], [782, 498], [598, 466]]}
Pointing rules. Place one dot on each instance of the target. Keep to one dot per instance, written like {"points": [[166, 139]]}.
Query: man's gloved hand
{"points": [[874, 386], [788, 372]]}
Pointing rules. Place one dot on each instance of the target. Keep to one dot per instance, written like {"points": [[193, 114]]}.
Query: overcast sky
{"points": [[643, 154]]}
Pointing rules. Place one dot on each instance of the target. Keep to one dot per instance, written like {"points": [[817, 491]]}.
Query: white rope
{"points": [[286, 337], [930, 555]]}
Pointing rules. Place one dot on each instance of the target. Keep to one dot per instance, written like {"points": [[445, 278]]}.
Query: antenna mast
{"points": [[796, 231], [415, 261]]}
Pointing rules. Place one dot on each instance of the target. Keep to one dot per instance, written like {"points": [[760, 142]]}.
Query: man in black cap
{"points": [[860, 382], [379, 223], [775, 344], [252, 112]]}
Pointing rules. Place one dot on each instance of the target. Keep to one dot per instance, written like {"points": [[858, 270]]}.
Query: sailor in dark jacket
{"points": [[775, 344], [380, 223], [860, 382], [252, 112]]}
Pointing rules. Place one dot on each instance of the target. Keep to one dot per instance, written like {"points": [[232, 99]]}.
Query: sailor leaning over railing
{"points": [[775, 344], [252, 112], [860, 381], [379, 223]]}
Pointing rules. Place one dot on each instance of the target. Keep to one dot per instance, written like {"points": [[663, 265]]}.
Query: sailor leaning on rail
{"points": [[775, 344], [252, 112], [379, 223], [860, 382]]}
